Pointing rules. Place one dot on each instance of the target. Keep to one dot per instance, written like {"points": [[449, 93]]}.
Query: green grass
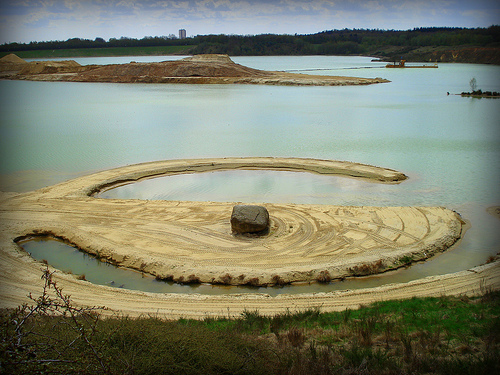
{"points": [[97, 52], [444, 335]]}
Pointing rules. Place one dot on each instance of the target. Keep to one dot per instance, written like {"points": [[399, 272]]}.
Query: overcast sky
{"points": [[43, 20]]}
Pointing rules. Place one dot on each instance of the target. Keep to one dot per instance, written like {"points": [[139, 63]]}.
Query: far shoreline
{"points": [[450, 54]]}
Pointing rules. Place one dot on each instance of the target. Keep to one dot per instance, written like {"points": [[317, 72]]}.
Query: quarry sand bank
{"points": [[198, 69]]}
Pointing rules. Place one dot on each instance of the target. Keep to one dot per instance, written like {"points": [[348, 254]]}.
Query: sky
{"points": [[23, 21]]}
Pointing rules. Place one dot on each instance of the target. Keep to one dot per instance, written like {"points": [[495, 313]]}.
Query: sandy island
{"points": [[192, 241], [198, 69]]}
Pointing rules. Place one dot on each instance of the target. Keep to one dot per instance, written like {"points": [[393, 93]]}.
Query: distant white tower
{"points": [[182, 33]]}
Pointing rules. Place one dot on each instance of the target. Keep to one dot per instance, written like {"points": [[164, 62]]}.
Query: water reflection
{"points": [[252, 186]]}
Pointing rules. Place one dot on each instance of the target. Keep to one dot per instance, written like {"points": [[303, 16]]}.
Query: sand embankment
{"points": [[187, 241], [199, 69]]}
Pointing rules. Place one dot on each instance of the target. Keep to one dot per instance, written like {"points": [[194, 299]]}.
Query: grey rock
{"points": [[249, 219]]}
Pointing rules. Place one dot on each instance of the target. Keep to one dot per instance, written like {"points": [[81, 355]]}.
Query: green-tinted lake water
{"points": [[449, 146]]}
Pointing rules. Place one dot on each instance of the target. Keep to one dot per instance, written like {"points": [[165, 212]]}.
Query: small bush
{"points": [[324, 277], [405, 260], [368, 268], [166, 278], [296, 337], [193, 279]]}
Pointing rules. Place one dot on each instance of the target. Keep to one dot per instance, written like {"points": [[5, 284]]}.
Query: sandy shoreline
{"points": [[178, 240]]}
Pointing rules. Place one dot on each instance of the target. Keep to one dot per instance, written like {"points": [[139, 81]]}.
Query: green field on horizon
{"points": [[98, 52]]}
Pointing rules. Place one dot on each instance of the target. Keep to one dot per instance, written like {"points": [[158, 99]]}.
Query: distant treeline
{"points": [[345, 42], [332, 42]]}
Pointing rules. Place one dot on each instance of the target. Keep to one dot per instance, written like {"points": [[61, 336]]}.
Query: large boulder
{"points": [[249, 219]]}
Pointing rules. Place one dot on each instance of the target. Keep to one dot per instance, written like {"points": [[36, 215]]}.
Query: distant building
{"points": [[182, 33]]}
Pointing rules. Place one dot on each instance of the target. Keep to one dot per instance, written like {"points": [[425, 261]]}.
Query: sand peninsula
{"points": [[198, 69], [192, 242]]}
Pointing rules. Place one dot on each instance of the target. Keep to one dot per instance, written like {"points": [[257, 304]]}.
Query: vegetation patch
{"points": [[368, 268], [442, 335], [482, 94], [279, 281], [324, 277], [193, 279], [102, 52], [478, 93], [405, 260], [166, 278]]}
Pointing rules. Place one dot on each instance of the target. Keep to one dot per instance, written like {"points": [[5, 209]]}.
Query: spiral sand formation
{"points": [[192, 241]]}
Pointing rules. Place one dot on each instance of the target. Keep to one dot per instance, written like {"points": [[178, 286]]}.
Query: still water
{"points": [[449, 146]]}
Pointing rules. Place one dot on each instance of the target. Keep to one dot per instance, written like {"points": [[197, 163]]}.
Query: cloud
{"points": [[373, 6], [26, 20]]}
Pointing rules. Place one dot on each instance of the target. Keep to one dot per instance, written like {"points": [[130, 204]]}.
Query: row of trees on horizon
{"points": [[345, 41]]}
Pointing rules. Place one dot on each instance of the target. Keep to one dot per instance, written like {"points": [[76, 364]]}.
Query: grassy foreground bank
{"points": [[443, 335]]}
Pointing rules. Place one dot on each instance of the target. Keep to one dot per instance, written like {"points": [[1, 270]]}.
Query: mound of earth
{"points": [[11, 63], [50, 67], [18, 67], [12, 59], [199, 66], [199, 69]]}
